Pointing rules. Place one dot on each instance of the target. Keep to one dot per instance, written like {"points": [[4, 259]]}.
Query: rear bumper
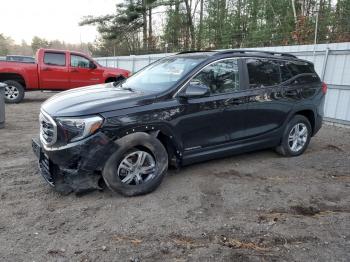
{"points": [[318, 124], [75, 167]]}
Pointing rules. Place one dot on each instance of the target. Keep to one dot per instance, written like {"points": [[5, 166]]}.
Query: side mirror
{"points": [[195, 90], [92, 65]]}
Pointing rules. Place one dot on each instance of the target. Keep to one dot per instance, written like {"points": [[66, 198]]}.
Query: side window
{"points": [[303, 68], [79, 61], [57, 59], [220, 77], [263, 72], [307, 79], [286, 74]]}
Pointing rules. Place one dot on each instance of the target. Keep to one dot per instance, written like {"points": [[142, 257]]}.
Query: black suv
{"points": [[182, 109]]}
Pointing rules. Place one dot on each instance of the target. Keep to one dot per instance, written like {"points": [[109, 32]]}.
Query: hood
{"points": [[93, 100]]}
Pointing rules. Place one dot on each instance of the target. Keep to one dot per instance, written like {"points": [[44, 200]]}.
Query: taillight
{"points": [[324, 88]]}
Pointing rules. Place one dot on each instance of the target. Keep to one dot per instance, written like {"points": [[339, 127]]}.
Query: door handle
{"points": [[74, 71], [46, 69]]}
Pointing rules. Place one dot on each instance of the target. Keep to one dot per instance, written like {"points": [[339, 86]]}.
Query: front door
{"points": [[83, 72], [211, 120]]}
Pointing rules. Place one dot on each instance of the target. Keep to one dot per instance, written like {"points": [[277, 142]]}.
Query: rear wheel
{"points": [[296, 137], [14, 92], [138, 166], [116, 80]]}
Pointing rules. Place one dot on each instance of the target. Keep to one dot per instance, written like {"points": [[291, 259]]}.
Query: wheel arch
{"points": [[14, 77], [165, 135], [310, 115], [114, 79]]}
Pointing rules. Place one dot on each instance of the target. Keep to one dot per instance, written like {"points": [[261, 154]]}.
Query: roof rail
{"points": [[243, 51], [194, 51]]}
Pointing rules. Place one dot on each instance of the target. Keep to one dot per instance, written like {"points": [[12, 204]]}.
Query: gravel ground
{"points": [[251, 207]]}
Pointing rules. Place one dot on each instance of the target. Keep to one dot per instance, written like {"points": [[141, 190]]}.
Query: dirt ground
{"points": [[251, 207]]}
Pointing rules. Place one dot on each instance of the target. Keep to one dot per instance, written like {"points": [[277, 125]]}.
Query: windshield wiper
{"points": [[120, 85], [117, 83], [127, 88]]}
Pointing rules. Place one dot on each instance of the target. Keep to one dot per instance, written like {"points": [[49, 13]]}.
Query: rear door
{"points": [[83, 72], [269, 102], [54, 73]]}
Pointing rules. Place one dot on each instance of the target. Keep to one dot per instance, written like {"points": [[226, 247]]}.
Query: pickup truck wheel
{"points": [[119, 79], [14, 92], [296, 137], [138, 166]]}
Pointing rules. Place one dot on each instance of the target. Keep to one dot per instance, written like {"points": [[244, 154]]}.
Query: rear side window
{"points": [[263, 72], [298, 68], [57, 59], [286, 74]]}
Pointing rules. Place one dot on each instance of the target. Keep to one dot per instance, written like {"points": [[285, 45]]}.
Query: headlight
{"points": [[77, 128]]}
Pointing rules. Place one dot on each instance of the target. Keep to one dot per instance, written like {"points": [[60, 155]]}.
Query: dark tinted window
{"points": [[58, 59], [221, 77], [263, 72], [299, 68], [306, 79], [298, 71], [286, 74]]}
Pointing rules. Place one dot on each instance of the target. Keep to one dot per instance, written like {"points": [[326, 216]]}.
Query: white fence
{"points": [[332, 63]]}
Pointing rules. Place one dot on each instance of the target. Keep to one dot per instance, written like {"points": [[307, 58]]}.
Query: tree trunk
{"points": [[144, 31], [294, 13], [190, 24], [199, 43], [150, 29], [178, 22]]}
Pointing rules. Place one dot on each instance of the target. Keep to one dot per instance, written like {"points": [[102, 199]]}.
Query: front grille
{"points": [[48, 129]]}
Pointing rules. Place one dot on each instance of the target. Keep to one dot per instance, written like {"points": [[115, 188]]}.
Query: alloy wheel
{"points": [[298, 137], [11, 92], [137, 168]]}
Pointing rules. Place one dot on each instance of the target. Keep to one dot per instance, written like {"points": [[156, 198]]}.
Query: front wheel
{"points": [[14, 92], [138, 166], [296, 137]]}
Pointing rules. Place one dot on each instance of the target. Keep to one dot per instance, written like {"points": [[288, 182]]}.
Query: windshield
{"points": [[163, 74]]}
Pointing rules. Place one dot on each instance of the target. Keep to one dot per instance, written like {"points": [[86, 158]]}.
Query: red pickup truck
{"points": [[54, 70]]}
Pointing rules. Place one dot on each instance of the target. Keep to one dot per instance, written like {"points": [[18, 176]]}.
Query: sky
{"points": [[51, 19]]}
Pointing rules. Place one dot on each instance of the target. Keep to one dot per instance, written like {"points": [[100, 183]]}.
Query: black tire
{"points": [[284, 148], [16, 86], [126, 145], [119, 79], [115, 80]]}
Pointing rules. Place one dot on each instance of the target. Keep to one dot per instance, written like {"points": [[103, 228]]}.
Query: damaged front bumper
{"points": [[76, 167]]}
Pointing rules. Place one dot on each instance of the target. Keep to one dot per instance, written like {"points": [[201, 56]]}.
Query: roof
{"points": [[240, 52], [63, 51]]}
